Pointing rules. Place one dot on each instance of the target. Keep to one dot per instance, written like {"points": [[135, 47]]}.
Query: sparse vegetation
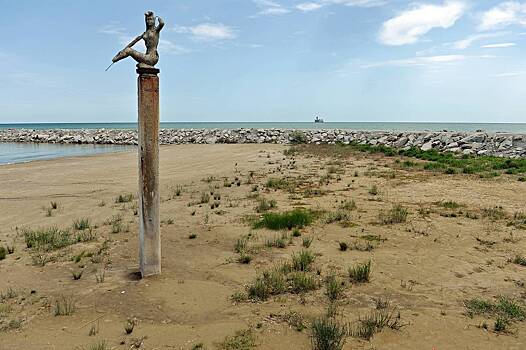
{"points": [[360, 273], [124, 198], [64, 306], [3, 253], [241, 340], [374, 322], [53, 238], [265, 205], [395, 215]]}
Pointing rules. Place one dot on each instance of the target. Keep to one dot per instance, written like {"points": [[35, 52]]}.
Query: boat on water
{"points": [[319, 120]]}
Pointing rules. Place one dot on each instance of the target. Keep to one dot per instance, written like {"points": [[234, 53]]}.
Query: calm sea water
{"points": [[25, 152], [388, 126]]}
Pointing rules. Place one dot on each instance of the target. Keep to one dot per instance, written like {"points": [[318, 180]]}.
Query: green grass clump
{"points": [[334, 287], [327, 334], [48, 239], [504, 307], [287, 220], [81, 224], [124, 198], [303, 261], [301, 282], [360, 273], [395, 215], [241, 340], [373, 191], [271, 282]]}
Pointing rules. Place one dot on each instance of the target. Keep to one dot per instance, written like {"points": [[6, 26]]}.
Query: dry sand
{"points": [[427, 266]]}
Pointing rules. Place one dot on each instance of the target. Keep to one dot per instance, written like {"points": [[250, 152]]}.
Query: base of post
{"points": [[148, 71]]}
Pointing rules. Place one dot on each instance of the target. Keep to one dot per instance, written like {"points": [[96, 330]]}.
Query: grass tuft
{"points": [[288, 220], [327, 334], [360, 273], [396, 215]]}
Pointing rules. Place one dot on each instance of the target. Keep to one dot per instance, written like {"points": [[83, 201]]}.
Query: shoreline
{"points": [[511, 145]]}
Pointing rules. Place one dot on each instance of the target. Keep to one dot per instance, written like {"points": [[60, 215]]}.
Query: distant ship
{"points": [[319, 120]]}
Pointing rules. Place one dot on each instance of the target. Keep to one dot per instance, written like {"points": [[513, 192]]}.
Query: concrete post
{"points": [[149, 197]]}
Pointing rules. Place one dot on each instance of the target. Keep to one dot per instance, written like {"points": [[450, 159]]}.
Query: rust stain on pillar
{"points": [[149, 197]]}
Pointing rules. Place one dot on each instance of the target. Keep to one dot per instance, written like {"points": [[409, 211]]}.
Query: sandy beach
{"points": [[457, 244]]}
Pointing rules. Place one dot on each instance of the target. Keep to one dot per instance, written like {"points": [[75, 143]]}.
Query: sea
{"points": [[25, 152]]}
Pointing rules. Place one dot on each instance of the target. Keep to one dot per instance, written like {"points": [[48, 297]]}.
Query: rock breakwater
{"points": [[479, 143]]}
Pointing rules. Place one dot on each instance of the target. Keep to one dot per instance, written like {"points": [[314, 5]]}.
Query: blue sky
{"points": [[262, 60]]}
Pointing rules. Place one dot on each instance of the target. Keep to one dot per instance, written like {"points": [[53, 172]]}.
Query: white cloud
{"points": [[411, 25], [497, 46], [309, 6], [509, 74], [316, 5], [269, 8], [357, 3], [208, 31], [467, 42], [504, 14], [419, 61]]}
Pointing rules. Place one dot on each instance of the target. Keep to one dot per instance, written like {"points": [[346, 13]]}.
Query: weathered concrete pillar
{"points": [[149, 197]]}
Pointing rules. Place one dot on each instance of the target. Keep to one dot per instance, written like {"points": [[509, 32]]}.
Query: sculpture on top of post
{"points": [[151, 41], [148, 126]]}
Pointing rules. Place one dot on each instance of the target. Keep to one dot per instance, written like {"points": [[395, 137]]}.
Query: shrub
{"points": [[3, 253], [360, 273], [343, 246], [297, 137]]}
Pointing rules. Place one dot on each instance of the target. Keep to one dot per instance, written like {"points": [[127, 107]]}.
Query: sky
{"points": [[268, 60]]}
